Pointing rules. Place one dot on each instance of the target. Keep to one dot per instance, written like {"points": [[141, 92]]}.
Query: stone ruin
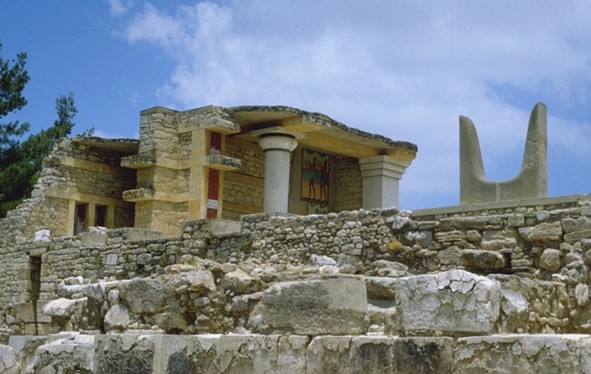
{"points": [[492, 287]]}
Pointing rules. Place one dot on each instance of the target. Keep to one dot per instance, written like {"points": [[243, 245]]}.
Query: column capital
{"points": [[278, 141], [382, 165]]}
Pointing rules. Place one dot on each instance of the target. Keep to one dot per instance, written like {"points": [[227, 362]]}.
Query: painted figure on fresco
{"points": [[315, 177], [311, 179]]}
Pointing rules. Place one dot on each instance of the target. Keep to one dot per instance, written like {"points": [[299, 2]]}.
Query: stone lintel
{"points": [[138, 194], [146, 194], [146, 160], [94, 166], [213, 124], [72, 194], [223, 163]]}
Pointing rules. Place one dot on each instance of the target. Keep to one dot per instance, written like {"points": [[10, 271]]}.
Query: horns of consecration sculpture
{"points": [[531, 182]]}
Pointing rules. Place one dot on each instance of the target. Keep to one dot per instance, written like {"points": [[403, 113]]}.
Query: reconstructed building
{"points": [[500, 281], [216, 162]]}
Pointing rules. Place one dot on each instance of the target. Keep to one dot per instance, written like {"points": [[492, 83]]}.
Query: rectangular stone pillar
{"points": [[381, 175]]}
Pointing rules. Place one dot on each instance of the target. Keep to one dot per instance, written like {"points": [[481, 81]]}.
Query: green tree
{"points": [[13, 79], [21, 161]]}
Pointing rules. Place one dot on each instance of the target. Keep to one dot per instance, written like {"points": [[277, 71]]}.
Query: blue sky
{"points": [[403, 69]]}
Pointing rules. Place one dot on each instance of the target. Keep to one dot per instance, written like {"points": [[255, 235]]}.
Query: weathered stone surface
{"points": [[143, 295], [523, 354], [8, 361], [25, 346], [26, 313], [215, 353], [449, 256], [452, 301], [548, 302], [550, 259], [380, 287], [200, 280], [334, 306], [132, 353], [482, 259], [42, 236], [365, 354], [383, 268], [64, 307], [117, 317], [582, 294], [65, 353], [544, 232], [239, 282], [515, 309]]}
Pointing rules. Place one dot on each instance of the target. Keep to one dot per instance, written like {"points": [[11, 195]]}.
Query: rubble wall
{"points": [[509, 286], [74, 172], [244, 188], [540, 251], [348, 186]]}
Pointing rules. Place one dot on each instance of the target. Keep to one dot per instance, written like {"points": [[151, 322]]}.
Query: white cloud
{"points": [[404, 70], [120, 7]]}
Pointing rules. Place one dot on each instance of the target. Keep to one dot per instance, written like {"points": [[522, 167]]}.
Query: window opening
{"points": [[35, 266], [80, 224], [100, 215]]}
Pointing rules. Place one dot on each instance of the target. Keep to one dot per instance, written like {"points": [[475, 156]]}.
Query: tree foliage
{"points": [[21, 161], [13, 79]]}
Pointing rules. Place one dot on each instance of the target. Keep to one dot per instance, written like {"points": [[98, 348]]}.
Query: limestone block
{"points": [[452, 301], [372, 354], [328, 354], [8, 362], [449, 256], [550, 259], [135, 353], [25, 312], [381, 288], [117, 317], [170, 321], [515, 309], [43, 236], [143, 295], [171, 354], [582, 294], [523, 354], [25, 346], [498, 243], [200, 280], [62, 308], [489, 260], [544, 232], [334, 306], [383, 268], [261, 354], [93, 238], [239, 282], [65, 353]]}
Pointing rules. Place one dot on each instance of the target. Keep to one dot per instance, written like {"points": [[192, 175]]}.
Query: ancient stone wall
{"points": [[73, 173], [537, 251], [160, 354], [348, 190], [244, 188], [430, 291]]}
